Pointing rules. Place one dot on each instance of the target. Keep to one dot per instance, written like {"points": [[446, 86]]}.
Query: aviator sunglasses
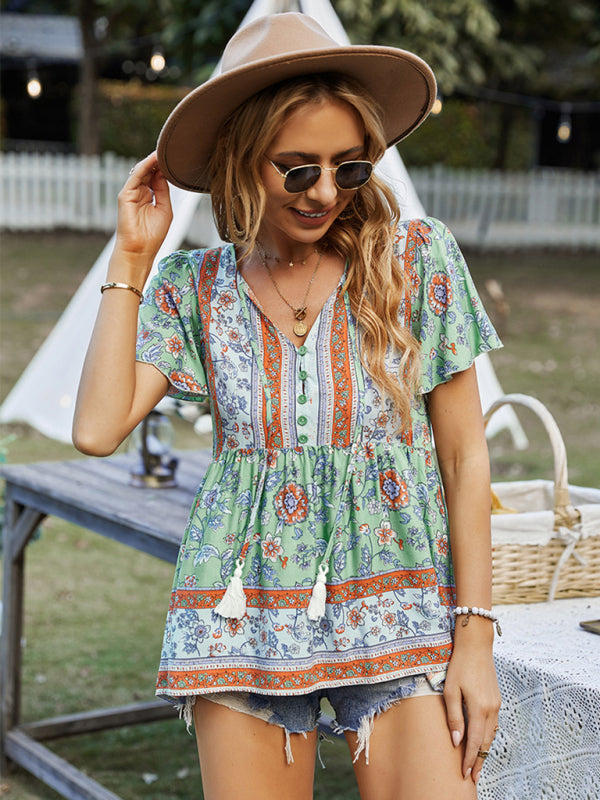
{"points": [[349, 175]]}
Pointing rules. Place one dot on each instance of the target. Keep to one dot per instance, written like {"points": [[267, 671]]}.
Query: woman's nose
{"points": [[325, 190]]}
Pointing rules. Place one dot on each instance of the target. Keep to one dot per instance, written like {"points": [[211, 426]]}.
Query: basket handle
{"points": [[564, 513]]}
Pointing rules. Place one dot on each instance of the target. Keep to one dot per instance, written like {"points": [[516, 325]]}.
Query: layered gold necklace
{"points": [[300, 328]]}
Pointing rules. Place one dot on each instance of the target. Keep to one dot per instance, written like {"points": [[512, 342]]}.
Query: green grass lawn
{"points": [[77, 581], [551, 343]]}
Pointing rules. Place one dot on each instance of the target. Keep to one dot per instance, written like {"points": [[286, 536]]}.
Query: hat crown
{"points": [[274, 36]]}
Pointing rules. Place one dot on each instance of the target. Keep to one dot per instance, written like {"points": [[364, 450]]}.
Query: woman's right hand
{"points": [[116, 392], [144, 218]]}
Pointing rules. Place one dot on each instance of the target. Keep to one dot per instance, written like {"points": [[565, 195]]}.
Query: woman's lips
{"points": [[315, 218]]}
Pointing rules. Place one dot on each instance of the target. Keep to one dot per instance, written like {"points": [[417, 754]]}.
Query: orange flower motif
{"points": [[174, 345], [271, 547], [355, 618], [439, 293], [291, 504], [234, 626], [442, 545], [389, 619], [394, 490], [385, 534], [168, 299], [226, 299]]}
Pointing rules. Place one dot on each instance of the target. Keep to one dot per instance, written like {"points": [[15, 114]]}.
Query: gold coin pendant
{"points": [[300, 328]]}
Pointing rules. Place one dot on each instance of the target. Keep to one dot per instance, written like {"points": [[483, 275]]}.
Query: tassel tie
{"points": [[233, 602], [316, 606]]}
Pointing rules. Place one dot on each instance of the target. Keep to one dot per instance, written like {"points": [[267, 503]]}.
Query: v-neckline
{"points": [[242, 283]]}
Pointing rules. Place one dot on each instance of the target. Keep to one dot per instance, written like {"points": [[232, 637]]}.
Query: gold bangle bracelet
{"points": [[116, 285]]}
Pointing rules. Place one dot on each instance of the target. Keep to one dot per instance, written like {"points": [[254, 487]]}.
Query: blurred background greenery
{"points": [[508, 72]]}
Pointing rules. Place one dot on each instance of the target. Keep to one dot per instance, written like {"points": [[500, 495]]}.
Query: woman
{"points": [[332, 340]]}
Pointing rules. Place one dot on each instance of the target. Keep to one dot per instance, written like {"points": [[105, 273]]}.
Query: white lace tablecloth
{"points": [[548, 744]]}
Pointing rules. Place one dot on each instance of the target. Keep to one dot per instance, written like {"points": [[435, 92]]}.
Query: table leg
{"points": [[20, 525]]}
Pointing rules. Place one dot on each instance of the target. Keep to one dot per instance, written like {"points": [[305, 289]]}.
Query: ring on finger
{"points": [[483, 753]]}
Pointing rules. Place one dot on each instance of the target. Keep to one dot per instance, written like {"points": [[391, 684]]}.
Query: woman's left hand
{"points": [[472, 697]]}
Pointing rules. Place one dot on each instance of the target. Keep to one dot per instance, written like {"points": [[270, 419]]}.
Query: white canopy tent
{"points": [[45, 394]]}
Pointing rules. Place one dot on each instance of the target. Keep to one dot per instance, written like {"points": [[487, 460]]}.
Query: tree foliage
{"points": [[550, 46], [451, 35], [196, 31], [547, 47]]}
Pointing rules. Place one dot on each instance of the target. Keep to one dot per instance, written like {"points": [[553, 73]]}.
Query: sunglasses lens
{"points": [[353, 174], [300, 179], [350, 175]]}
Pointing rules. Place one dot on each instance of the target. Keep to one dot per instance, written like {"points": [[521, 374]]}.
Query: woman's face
{"points": [[328, 133]]}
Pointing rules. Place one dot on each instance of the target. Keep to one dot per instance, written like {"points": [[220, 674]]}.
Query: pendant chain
{"points": [[300, 328]]}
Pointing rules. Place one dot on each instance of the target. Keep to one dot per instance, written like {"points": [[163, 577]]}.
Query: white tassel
{"points": [[233, 602], [316, 607]]}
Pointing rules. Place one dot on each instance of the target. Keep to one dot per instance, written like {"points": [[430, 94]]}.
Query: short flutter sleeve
{"points": [[445, 312], [170, 329]]}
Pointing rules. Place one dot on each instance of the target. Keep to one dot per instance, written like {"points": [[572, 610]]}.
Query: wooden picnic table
{"points": [[93, 493]]}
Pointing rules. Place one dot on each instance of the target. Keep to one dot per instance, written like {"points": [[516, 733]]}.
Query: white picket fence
{"points": [[45, 191], [494, 209], [542, 207]]}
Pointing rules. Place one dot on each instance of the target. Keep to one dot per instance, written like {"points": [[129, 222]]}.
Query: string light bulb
{"points": [[34, 86], [437, 106], [157, 61], [565, 127]]}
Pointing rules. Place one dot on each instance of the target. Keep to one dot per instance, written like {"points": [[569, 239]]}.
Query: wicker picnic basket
{"points": [[545, 535]]}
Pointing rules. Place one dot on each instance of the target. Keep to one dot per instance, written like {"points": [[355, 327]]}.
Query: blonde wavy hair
{"points": [[364, 237]]}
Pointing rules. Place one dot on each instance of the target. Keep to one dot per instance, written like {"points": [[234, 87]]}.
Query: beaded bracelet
{"points": [[116, 285], [468, 611]]}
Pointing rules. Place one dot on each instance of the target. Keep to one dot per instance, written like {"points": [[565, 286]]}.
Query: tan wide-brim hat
{"points": [[272, 49]]}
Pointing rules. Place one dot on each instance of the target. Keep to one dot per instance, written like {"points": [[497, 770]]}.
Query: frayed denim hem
{"points": [[186, 712], [356, 708], [367, 722], [235, 703]]}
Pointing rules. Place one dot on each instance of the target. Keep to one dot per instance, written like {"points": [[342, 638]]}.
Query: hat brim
{"points": [[401, 82]]}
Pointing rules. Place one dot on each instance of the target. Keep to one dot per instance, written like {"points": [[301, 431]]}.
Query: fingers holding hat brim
{"points": [[401, 82], [144, 171], [146, 183]]}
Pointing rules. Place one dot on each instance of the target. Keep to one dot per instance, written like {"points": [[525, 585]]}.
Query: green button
{"points": [[302, 420], [302, 350], [303, 374], [303, 438], [302, 399]]}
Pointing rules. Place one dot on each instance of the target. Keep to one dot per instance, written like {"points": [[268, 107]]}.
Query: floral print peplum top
{"points": [[310, 474]]}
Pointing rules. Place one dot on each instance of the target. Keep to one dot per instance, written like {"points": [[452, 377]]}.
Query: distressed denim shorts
{"points": [[355, 707]]}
